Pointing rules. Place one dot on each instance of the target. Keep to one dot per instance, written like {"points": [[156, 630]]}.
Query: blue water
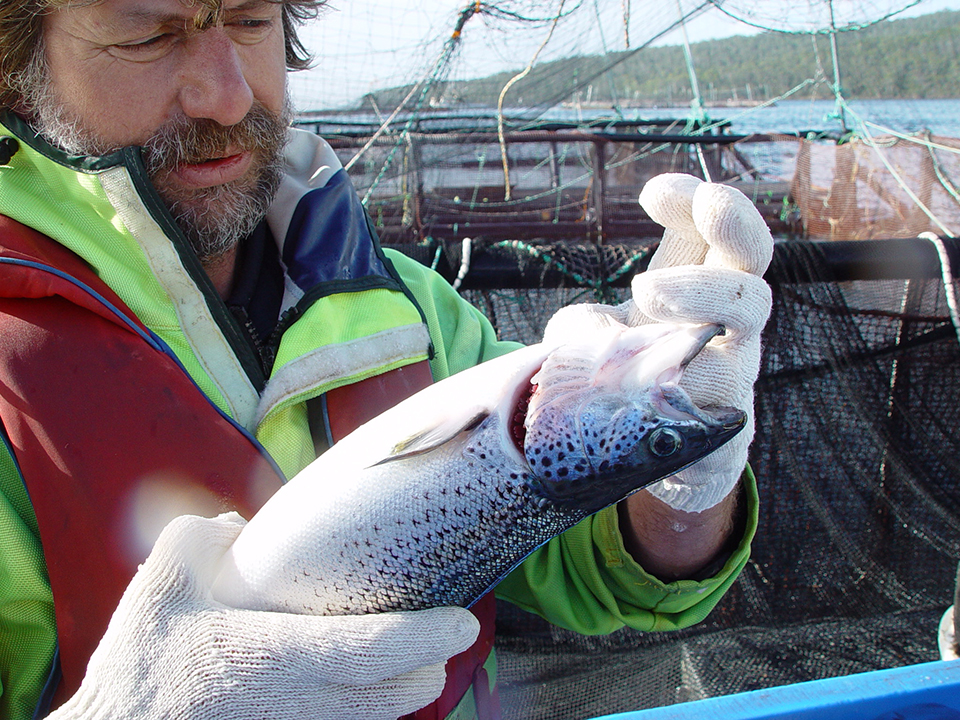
{"points": [[941, 117], [873, 117], [863, 117], [907, 116]]}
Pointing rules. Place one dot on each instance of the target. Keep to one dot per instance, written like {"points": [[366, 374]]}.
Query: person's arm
{"points": [[28, 631], [586, 580], [672, 544]]}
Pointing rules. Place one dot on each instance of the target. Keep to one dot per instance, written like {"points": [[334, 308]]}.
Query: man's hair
{"points": [[21, 20]]}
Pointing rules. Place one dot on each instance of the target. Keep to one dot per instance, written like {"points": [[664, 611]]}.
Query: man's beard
{"points": [[214, 219]]}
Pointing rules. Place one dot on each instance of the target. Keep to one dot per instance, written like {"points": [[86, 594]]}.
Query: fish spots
{"points": [[573, 451], [471, 508]]}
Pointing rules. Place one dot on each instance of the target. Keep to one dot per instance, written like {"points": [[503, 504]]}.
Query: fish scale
{"points": [[433, 503], [431, 550]]}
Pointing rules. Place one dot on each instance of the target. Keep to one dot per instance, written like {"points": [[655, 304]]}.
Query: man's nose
{"points": [[213, 82]]}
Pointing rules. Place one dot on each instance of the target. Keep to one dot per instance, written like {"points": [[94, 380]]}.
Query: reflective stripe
{"points": [[316, 371], [203, 333]]}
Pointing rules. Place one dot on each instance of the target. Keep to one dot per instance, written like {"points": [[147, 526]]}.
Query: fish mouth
{"points": [[681, 347], [674, 403], [726, 418], [672, 400], [702, 334]]}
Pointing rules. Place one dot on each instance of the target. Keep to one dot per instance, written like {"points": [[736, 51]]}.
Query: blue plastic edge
{"points": [[862, 696]]}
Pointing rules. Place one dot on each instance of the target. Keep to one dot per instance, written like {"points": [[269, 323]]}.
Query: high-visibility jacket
{"points": [[101, 292]]}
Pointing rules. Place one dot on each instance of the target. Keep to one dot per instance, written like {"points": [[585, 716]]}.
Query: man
{"points": [[192, 306]]}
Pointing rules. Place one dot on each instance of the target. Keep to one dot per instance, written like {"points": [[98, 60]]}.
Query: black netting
{"points": [[856, 452]]}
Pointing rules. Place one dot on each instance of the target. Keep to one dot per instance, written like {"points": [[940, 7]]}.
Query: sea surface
{"points": [[805, 117], [815, 116], [940, 117]]}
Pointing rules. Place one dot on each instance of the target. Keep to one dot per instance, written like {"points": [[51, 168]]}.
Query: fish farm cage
{"points": [[451, 177], [857, 448]]}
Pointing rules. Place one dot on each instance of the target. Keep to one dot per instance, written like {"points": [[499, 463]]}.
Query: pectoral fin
{"points": [[434, 437]]}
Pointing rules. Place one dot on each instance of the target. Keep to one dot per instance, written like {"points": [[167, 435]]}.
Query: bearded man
{"points": [[193, 305]]}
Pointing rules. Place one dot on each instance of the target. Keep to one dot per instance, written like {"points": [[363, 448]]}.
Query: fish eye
{"points": [[665, 442]]}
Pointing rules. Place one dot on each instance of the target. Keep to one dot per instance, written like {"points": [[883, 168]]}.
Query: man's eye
{"points": [[150, 45], [255, 23], [252, 28]]}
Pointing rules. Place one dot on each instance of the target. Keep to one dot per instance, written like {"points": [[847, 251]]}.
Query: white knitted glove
{"points": [[707, 269], [947, 636], [172, 652]]}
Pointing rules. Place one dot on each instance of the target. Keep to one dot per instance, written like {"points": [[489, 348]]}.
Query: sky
{"points": [[365, 45]]}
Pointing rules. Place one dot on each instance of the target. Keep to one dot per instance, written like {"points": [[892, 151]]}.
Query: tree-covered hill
{"points": [[903, 59]]}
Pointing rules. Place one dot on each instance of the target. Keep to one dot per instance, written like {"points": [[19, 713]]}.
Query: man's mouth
{"points": [[215, 171]]}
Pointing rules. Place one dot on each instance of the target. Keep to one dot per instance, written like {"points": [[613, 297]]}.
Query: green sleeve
{"points": [[462, 336], [583, 580], [27, 626]]}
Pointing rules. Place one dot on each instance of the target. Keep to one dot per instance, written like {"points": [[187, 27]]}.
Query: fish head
{"points": [[608, 418]]}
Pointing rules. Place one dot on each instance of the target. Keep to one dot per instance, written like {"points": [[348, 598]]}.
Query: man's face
{"points": [[208, 105]]}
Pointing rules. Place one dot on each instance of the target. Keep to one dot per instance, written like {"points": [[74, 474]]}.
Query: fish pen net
{"points": [[877, 187], [554, 182], [857, 455]]}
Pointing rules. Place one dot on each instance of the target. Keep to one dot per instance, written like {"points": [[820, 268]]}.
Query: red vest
{"points": [[97, 414]]}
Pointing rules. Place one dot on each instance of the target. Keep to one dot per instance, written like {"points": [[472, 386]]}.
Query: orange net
{"points": [[883, 187]]}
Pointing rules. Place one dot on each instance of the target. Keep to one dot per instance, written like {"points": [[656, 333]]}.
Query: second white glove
{"points": [[708, 268], [172, 652]]}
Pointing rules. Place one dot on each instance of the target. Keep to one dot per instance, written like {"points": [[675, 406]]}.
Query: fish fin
{"points": [[434, 437]]}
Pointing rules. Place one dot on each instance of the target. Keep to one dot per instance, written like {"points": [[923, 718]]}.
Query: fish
{"points": [[436, 500]]}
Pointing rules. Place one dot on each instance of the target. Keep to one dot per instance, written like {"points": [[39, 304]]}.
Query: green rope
{"points": [[940, 171], [601, 288], [440, 69]]}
